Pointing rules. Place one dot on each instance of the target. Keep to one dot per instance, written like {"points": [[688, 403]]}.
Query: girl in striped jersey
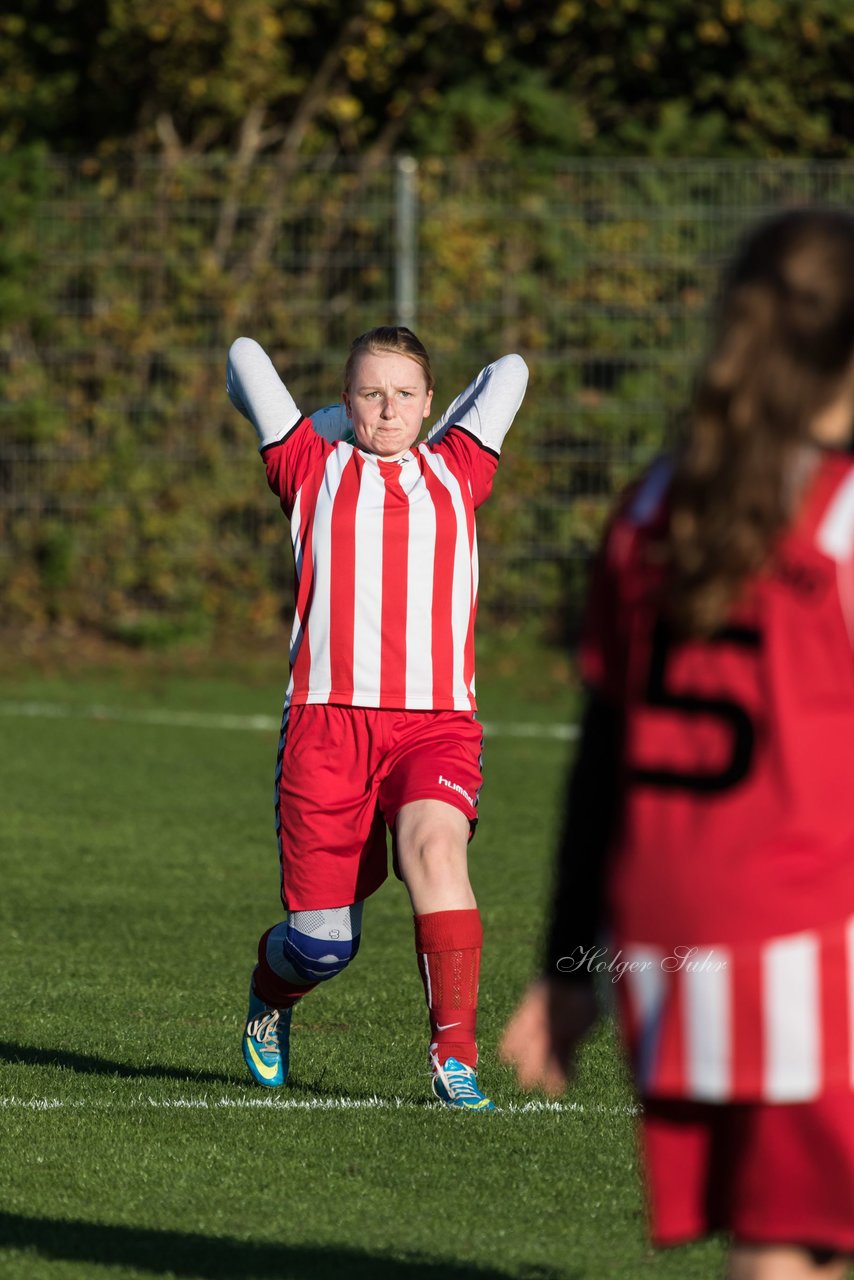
{"points": [[710, 823], [379, 728]]}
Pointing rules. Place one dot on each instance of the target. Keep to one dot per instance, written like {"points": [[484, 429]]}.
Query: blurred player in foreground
{"points": [[379, 729], [709, 827]]}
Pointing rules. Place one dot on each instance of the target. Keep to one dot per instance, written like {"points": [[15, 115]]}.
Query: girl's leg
{"points": [[307, 948], [432, 842], [432, 838], [293, 957]]}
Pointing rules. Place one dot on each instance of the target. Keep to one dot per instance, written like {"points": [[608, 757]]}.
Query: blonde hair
{"points": [[782, 349], [393, 339]]}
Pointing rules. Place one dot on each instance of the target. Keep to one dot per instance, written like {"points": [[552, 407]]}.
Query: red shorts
{"points": [[766, 1173], [344, 775]]}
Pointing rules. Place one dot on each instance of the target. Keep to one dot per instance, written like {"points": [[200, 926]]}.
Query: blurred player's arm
{"points": [[591, 812], [558, 1010]]}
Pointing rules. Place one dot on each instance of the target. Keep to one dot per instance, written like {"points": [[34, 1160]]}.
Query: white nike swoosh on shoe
{"points": [[445, 1026]]}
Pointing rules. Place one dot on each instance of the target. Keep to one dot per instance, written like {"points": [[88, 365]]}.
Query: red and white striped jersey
{"points": [[731, 883], [772, 1020], [387, 572], [385, 552]]}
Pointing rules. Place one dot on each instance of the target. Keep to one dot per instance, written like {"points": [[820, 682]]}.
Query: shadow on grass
{"points": [[211, 1258], [89, 1064], [297, 1088]]}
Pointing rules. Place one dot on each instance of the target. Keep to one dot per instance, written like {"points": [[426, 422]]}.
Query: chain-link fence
{"points": [[130, 496]]}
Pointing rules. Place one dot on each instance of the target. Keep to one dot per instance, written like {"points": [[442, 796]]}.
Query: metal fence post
{"points": [[406, 247]]}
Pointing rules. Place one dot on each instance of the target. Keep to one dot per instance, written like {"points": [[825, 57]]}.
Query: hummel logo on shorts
{"points": [[455, 786]]}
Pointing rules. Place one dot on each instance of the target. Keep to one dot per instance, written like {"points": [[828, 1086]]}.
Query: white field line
{"points": [[141, 1103], [256, 724]]}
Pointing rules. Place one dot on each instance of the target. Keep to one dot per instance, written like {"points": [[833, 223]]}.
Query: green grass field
{"points": [[139, 868]]}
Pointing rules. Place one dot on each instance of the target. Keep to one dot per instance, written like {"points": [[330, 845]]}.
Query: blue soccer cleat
{"points": [[266, 1042], [456, 1085]]}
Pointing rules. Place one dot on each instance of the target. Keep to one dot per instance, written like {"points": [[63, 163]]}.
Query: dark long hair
{"points": [[782, 352]]}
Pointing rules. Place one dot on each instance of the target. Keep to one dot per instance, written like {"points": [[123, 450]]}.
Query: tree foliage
{"points": [[488, 79], [132, 501], [176, 172]]}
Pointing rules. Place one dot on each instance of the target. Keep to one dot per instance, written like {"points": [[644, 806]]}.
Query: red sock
{"points": [[270, 986], [449, 944]]}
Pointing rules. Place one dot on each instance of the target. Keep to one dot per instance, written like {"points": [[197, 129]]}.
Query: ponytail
{"points": [[783, 347]]}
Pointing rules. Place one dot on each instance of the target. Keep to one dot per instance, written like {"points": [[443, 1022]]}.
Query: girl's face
{"points": [[387, 401]]}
